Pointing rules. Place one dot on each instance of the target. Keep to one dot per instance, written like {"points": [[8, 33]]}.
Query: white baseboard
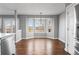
{"points": [[61, 40], [29, 37], [40, 37], [18, 40], [23, 38], [55, 38]]}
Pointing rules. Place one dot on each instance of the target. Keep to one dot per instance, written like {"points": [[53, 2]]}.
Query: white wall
{"points": [[56, 27], [62, 27]]}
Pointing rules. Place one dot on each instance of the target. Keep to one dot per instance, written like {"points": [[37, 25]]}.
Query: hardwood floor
{"points": [[40, 47]]}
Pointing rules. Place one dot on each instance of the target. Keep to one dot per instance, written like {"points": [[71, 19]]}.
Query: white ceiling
{"points": [[32, 8]]}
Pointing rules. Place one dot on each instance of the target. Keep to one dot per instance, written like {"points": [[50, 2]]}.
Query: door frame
{"points": [[66, 43]]}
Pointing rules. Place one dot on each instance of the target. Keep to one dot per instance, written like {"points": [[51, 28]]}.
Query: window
{"points": [[39, 25], [8, 25], [35, 25], [30, 24]]}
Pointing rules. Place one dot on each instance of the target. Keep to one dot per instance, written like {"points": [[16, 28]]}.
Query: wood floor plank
{"points": [[40, 47]]}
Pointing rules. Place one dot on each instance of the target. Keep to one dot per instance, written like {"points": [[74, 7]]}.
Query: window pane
{"points": [[39, 25], [9, 25], [30, 25]]}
